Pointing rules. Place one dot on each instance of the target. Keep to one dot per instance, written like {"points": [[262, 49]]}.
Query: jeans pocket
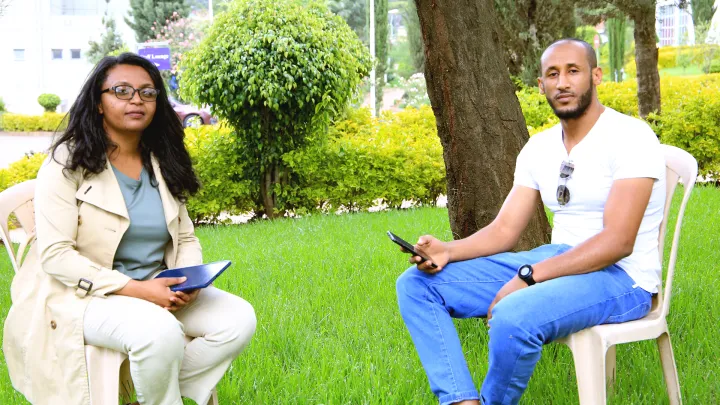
{"points": [[632, 314]]}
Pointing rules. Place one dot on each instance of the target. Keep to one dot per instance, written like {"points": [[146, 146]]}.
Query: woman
{"points": [[110, 214]]}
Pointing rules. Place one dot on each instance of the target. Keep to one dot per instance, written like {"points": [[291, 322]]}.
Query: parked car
{"points": [[192, 116]]}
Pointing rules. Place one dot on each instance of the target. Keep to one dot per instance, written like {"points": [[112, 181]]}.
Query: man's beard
{"points": [[577, 112]]}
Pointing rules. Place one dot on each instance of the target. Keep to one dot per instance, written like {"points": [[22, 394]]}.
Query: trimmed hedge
{"points": [[22, 170], [691, 121], [49, 121], [368, 161], [219, 169], [668, 57], [361, 163]]}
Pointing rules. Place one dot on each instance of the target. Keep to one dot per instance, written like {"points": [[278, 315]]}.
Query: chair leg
{"points": [[103, 374], [669, 370], [213, 398], [610, 367], [589, 356]]}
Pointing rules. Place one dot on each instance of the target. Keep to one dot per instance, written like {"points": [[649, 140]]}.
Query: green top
{"points": [[142, 248]]}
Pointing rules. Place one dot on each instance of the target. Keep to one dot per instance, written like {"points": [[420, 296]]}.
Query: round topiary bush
{"points": [[278, 72], [49, 102]]}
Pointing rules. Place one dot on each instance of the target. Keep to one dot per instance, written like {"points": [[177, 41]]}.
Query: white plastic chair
{"points": [[594, 348], [108, 370]]}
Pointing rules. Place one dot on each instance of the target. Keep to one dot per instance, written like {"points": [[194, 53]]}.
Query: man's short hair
{"points": [[589, 50]]}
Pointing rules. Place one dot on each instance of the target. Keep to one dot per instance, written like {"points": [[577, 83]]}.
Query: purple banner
{"points": [[159, 56]]}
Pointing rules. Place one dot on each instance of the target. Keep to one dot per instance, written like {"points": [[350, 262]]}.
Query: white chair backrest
{"points": [[18, 199], [680, 166]]}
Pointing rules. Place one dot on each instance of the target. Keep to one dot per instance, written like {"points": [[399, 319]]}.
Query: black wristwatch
{"points": [[525, 272]]}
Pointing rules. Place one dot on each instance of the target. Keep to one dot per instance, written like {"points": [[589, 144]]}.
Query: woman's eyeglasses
{"points": [[128, 92], [563, 192]]}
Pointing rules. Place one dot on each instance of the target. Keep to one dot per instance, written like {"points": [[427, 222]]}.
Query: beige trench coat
{"points": [[79, 225]]}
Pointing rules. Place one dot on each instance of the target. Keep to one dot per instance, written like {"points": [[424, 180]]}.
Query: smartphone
{"points": [[408, 247]]}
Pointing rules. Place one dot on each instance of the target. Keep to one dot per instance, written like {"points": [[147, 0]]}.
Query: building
{"points": [[674, 26], [714, 33], [43, 45]]}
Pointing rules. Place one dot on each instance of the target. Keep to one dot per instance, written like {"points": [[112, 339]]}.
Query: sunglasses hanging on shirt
{"points": [[563, 192]]}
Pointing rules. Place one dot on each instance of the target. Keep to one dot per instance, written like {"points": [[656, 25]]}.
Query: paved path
{"points": [[14, 147]]}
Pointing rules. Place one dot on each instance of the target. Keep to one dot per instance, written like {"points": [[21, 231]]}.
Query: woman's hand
{"points": [[182, 299], [156, 290], [434, 249]]}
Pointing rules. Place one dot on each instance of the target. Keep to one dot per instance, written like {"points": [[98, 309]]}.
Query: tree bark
{"points": [[646, 59], [479, 121]]}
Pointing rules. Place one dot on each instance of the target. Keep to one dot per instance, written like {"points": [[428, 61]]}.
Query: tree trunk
{"points": [[480, 124], [646, 60]]}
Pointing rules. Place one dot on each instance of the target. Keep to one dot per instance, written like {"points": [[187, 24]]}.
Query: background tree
{"points": [[479, 120], [417, 48], [182, 35], [528, 27], [143, 13], [702, 11], [278, 72], [616, 39], [382, 46], [642, 13], [110, 41], [354, 12]]}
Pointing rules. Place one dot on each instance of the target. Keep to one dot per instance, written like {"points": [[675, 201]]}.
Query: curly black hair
{"points": [[88, 143]]}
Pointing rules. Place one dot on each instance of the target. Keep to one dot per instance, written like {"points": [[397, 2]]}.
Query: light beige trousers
{"points": [[162, 367]]}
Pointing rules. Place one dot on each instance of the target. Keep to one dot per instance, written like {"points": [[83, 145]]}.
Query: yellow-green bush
{"points": [[668, 57], [22, 170], [49, 121], [390, 159], [535, 109], [691, 121], [219, 169]]}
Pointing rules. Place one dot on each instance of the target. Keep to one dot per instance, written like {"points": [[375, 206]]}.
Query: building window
{"points": [[75, 53], [57, 53], [74, 7], [19, 55]]}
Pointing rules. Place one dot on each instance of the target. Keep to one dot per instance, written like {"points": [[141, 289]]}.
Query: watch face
{"points": [[524, 272]]}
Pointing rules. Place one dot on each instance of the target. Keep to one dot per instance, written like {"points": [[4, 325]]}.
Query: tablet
{"points": [[199, 276]]}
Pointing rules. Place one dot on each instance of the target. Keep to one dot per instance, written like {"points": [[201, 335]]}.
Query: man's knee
{"points": [[508, 324], [412, 284]]}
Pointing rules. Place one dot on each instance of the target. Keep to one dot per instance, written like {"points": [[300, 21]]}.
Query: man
{"points": [[602, 266]]}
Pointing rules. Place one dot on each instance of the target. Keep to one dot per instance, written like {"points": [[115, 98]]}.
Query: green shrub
{"points": [[49, 121], [2, 106], [49, 102], [22, 170], [368, 161], [219, 168], [360, 163], [692, 122], [535, 108], [278, 72]]}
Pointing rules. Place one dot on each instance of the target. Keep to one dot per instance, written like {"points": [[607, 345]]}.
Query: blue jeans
{"points": [[521, 324]]}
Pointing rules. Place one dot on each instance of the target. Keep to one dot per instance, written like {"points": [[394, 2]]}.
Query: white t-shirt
{"points": [[617, 147]]}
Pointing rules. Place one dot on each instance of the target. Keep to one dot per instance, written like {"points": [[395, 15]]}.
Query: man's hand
{"points": [[434, 249], [182, 299], [510, 287]]}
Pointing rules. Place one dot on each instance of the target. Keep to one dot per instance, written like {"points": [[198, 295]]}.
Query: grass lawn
{"points": [[329, 331]]}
